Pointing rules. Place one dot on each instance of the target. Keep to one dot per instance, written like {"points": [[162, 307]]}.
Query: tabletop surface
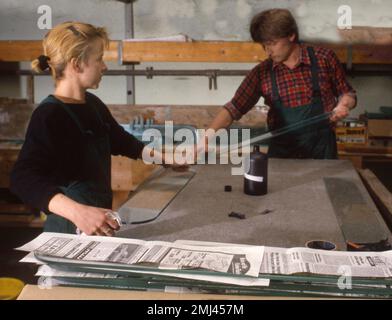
{"points": [[309, 200]]}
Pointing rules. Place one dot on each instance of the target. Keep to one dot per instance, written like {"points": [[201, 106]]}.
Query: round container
{"points": [[256, 177], [10, 288], [320, 244]]}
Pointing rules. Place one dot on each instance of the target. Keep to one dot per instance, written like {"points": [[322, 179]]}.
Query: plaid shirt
{"points": [[294, 85]]}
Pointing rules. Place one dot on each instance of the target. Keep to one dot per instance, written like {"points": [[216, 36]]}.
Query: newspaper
{"points": [[244, 261], [288, 261], [305, 260]]}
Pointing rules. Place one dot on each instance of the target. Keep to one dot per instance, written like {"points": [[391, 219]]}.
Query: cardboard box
{"points": [[355, 135], [380, 127]]}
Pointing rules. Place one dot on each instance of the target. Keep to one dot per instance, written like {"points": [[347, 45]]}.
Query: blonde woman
{"points": [[64, 165]]}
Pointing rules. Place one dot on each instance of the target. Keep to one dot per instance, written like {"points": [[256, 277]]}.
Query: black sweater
{"points": [[50, 155]]}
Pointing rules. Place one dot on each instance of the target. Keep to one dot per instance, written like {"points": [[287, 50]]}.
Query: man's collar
{"points": [[303, 57]]}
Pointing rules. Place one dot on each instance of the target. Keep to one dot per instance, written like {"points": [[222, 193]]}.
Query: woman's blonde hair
{"points": [[66, 41]]}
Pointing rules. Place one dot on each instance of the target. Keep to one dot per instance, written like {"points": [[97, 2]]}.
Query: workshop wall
{"points": [[200, 20], [18, 21], [229, 20]]}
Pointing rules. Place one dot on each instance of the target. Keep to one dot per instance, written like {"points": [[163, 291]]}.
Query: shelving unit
{"points": [[196, 51]]}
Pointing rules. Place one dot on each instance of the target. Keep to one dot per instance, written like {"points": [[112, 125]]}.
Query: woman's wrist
{"points": [[64, 206]]}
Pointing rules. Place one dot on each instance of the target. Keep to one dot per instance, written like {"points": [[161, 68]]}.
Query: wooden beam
{"points": [[380, 194], [247, 52], [198, 51], [372, 54], [365, 149], [367, 35], [28, 50], [20, 50]]}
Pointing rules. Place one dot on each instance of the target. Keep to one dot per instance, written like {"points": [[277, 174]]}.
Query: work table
{"points": [[309, 200]]}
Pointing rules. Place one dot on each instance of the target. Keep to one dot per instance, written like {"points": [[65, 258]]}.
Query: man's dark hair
{"points": [[273, 24]]}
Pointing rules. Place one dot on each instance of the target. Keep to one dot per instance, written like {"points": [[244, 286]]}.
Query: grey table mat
{"points": [[297, 194]]}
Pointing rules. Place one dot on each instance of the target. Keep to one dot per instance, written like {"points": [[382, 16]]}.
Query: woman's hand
{"points": [[95, 221], [90, 220]]}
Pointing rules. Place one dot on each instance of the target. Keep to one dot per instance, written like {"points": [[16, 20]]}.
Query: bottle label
{"points": [[253, 178]]}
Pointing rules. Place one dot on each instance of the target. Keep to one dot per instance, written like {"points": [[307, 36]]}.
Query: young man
{"points": [[298, 82]]}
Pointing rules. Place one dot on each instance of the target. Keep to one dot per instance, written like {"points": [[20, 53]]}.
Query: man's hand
{"points": [[339, 113], [342, 110]]}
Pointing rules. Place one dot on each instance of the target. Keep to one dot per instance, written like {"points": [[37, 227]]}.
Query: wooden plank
{"points": [[222, 51], [14, 209], [385, 151], [28, 50], [121, 173], [119, 198], [14, 119], [33, 292], [380, 194], [7, 161], [111, 54], [367, 35], [197, 116], [30, 89], [365, 54], [14, 221], [226, 51], [199, 51], [20, 50]]}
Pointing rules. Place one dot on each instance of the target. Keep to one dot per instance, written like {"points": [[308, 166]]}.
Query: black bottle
{"points": [[256, 179]]}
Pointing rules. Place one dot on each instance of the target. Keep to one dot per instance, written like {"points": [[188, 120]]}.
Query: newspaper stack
{"points": [[206, 267]]}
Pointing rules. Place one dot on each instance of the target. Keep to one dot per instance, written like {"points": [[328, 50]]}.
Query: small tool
{"points": [[266, 211], [382, 245], [237, 215]]}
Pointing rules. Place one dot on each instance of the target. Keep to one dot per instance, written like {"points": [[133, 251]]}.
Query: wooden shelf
{"points": [[197, 51], [21, 50]]}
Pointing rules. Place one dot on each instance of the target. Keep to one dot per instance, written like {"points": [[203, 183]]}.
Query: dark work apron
{"points": [[95, 164], [315, 141]]}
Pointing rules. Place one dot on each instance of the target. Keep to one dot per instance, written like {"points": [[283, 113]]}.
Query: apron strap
{"points": [[316, 91], [315, 71], [275, 91]]}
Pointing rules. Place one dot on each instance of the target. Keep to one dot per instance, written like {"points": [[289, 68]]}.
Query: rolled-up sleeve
{"points": [[246, 96], [339, 79]]}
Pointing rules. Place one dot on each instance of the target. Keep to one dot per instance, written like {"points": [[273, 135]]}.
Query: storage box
{"points": [[355, 135], [379, 127]]}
